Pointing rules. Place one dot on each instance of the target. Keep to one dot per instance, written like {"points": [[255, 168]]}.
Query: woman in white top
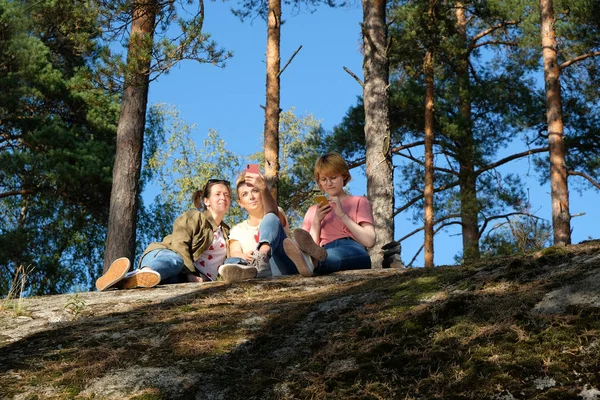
{"points": [[258, 241]]}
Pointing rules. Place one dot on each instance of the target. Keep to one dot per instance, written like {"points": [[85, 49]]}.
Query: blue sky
{"points": [[228, 100]]}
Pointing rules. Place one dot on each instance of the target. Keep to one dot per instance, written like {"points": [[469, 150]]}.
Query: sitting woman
{"points": [[257, 242], [193, 252], [334, 236]]}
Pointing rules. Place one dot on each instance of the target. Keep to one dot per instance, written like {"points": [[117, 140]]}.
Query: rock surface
{"points": [[268, 338]]}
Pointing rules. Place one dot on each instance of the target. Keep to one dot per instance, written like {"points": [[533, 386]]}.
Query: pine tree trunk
{"points": [[428, 192], [121, 235], [466, 150], [561, 216], [273, 96], [380, 174]]}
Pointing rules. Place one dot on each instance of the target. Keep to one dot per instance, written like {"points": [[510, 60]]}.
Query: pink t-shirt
{"points": [[356, 207]]}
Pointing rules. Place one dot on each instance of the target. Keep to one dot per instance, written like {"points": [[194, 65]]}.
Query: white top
{"points": [[246, 234], [210, 261]]}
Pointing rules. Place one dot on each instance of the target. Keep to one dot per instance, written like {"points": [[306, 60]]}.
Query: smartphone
{"points": [[322, 200], [252, 168]]}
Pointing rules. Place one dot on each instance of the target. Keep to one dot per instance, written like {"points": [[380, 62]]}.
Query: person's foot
{"points": [[193, 278], [144, 278], [237, 272], [308, 245], [260, 260], [114, 274], [303, 263]]}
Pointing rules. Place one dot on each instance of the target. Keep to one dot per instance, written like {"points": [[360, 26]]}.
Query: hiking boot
{"points": [[261, 262], [144, 278], [114, 274], [303, 262], [308, 245], [237, 272]]}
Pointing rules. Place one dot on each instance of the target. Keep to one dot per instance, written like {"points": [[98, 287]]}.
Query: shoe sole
{"points": [[264, 274], [297, 257], [235, 272], [115, 273], [143, 279], [308, 245]]}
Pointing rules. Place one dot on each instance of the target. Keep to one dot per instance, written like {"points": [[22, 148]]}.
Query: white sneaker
{"points": [[237, 272]]}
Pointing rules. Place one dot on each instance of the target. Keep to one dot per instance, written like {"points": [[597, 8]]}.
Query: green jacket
{"points": [[192, 235]]}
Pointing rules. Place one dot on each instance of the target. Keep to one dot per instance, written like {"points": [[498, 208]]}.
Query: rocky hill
{"points": [[524, 327]]}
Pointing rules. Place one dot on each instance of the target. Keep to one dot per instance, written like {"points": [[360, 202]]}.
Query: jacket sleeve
{"points": [[184, 230]]}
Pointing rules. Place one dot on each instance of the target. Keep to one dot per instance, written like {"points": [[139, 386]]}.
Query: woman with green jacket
{"points": [[193, 252]]}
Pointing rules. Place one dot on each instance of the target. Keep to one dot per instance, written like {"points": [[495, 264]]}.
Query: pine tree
{"points": [[57, 132], [147, 58], [498, 90], [380, 174], [579, 36]]}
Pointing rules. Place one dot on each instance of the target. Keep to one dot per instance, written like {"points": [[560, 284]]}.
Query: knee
{"points": [[270, 218]]}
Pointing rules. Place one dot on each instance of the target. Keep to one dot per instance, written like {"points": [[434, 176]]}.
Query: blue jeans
{"points": [[272, 233], [344, 254], [166, 262]]}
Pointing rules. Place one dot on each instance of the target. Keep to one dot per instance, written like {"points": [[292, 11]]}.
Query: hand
{"points": [[256, 180], [248, 255], [337, 206], [321, 213]]}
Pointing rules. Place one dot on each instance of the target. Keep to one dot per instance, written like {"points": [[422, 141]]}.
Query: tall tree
{"points": [[561, 216], [499, 92], [120, 237], [271, 134], [576, 59], [428, 70], [145, 57], [469, 207], [380, 173], [428, 210], [57, 131]]}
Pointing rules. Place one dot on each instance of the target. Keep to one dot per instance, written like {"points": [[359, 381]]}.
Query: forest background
{"points": [[62, 238]]}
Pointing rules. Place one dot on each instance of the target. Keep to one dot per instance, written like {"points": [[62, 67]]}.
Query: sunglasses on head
{"points": [[215, 181], [211, 182]]}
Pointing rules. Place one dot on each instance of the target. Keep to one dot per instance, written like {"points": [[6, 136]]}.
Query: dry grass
{"points": [[14, 300]]}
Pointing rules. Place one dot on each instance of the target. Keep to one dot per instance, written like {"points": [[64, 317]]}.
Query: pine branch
{"points": [[510, 158], [409, 265], [504, 24], [577, 59], [289, 61], [420, 197], [21, 192], [589, 178], [495, 42], [489, 219], [355, 77]]}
